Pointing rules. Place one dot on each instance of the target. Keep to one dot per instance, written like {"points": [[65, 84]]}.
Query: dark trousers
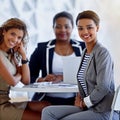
{"points": [[53, 100]]}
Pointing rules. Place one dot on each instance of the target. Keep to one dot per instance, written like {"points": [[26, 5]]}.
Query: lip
{"points": [[12, 44], [86, 36], [62, 35]]}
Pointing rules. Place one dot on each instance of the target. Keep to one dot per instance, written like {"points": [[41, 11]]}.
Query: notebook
{"points": [[70, 69]]}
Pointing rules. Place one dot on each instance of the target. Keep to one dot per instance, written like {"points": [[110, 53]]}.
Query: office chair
{"points": [[115, 104]]}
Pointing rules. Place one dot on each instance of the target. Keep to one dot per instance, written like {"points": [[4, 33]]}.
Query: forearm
{"points": [[12, 80], [25, 72], [51, 78]]}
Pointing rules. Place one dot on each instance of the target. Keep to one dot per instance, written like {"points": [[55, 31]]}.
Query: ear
{"points": [[3, 32], [97, 28]]}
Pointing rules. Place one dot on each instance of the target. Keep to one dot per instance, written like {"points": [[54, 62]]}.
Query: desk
{"points": [[47, 87]]}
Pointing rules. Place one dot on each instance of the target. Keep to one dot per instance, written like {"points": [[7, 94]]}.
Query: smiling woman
{"points": [[95, 78], [12, 52]]}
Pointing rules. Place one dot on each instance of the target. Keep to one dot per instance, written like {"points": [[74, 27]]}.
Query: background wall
{"points": [[38, 15]]}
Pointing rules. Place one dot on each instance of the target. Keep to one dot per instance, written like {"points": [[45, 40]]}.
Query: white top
{"points": [[58, 69]]}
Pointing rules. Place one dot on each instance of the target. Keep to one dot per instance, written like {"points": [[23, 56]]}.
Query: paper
{"points": [[70, 69]]}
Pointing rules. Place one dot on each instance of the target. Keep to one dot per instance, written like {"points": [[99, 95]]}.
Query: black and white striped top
{"points": [[80, 74]]}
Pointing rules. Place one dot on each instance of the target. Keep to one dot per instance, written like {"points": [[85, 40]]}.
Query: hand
{"points": [[51, 78], [79, 101], [58, 79], [20, 49], [17, 78]]}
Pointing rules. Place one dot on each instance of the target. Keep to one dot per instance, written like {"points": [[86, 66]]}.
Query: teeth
{"points": [[11, 43], [86, 36]]}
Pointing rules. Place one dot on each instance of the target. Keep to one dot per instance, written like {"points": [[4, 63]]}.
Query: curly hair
{"points": [[10, 24], [14, 23]]}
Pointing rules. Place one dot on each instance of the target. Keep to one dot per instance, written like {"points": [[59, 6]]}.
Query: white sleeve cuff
{"points": [[88, 102], [37, 79]]}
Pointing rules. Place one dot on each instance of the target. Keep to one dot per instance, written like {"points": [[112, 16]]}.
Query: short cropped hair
{"points": [[63, 14], [89, 15]]}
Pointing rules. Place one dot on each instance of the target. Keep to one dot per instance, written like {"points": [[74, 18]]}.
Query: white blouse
{"points": [[57, 69]]}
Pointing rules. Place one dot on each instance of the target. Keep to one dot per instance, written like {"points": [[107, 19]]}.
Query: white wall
{"points": [[38, 16]]}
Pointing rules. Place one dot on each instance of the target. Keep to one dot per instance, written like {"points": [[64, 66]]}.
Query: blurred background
{"points": [[38, 15]]}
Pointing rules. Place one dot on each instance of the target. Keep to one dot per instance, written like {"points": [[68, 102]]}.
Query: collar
{"points": [[74, 43]]}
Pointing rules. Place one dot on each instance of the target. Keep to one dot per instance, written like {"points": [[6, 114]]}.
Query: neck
{"points": [[90, 47], [3, 48], [62, 43], [63, 48]]}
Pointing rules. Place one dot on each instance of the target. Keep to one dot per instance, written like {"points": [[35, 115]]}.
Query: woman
{"points": [[47, 57], [95, 78], [13, 69]]}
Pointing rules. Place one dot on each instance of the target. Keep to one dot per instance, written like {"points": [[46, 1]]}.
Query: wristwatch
{"points": [[24, 61]]}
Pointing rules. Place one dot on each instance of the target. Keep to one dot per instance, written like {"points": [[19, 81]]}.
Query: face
{"points": [[63, 29], [12, 37], [87, 30]]}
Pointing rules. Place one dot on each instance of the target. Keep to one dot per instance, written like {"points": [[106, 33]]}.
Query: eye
{"points": [[58, 27], [80, 28], [19, 38], [12, 33], [90, 27], [67, 27]]}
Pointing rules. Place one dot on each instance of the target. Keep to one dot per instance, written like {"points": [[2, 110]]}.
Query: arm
{"points": [[51, 78], [7, 76], [34, 64], [102, 75], [24, 68]]}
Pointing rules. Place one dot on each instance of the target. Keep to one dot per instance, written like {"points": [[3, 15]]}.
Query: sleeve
{"points": [[34, 64], [104, 76]]}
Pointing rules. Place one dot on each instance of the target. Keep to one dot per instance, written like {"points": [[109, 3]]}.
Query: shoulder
{"points": [[2, 57], [47, 43], [78, 43], [100, 49], [101, 52], [41, 44], [2, 54]]}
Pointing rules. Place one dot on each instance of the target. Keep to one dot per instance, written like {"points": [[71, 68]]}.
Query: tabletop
{"points": [[47, 87]]}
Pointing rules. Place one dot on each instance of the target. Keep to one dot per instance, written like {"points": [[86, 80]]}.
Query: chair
{"points": [[116, 104]]}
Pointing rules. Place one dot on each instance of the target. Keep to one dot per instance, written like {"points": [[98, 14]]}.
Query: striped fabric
{"points": [[80, 74]]}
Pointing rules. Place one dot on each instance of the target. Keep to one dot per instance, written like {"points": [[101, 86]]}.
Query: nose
{"points": [[15, 39], [63, 28], [85, 31]]}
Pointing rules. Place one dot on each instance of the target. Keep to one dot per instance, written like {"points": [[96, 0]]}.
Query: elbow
{"points": [[26, 81]]}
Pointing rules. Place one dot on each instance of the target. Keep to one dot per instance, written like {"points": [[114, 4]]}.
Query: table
{"points": [[47, 87]]}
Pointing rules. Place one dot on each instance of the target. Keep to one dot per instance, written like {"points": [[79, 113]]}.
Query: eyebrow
{"points": [[87, 25]]}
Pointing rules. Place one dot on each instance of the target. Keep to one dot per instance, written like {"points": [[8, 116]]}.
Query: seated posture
{"points": [[14, 69], [95, 78], [47, 58]]}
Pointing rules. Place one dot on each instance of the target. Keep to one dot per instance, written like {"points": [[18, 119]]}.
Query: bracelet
{"points": [[24, 61]]}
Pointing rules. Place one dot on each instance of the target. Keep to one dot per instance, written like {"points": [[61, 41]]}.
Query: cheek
{"points": [[79, 33], [5, 38], [70, 32], [19, 41], [55, 32]]}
